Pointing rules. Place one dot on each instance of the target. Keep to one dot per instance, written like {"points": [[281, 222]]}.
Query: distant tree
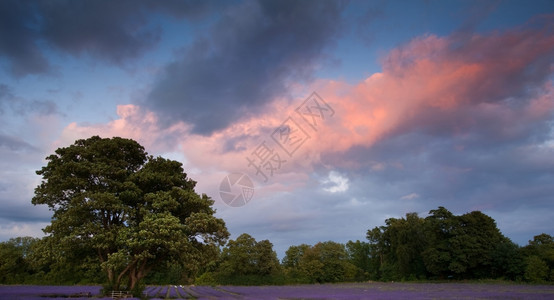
{"points": [[542, 245], [474, 240], [542, 239], [291, 263], [133, 210], [294, 254], [442, 246], [536, 269], [463, 246], [377, 250], [246, 261], [438, 255], [359, 255], [59, 263], [508, 261], [399, 245], [539, 255], [15, 265], [408, 240], [326, 262], [267, 261]]}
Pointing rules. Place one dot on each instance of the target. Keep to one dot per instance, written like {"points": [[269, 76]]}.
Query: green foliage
{"points": [[207, 278], [540, 258], [15, 265], [26, 260], [508, 261], [359, 255], [291, 263], [130, 211], [245, 261], [376, 251], [537, 270], [442, 246], [245, 256], [473, 242], [323, 262], [397, 248]]}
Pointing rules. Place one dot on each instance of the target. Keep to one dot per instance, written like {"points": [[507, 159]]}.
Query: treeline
{"points": [[445, 246], [441, 246]]}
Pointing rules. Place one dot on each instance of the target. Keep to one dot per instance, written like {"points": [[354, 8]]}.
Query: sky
{"points": [[315, 120]]}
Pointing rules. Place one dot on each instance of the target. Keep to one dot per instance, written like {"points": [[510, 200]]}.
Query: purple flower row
{"points": [[372, 290]]}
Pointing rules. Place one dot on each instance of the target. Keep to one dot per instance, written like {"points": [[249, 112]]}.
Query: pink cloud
{"points": [[207, 158], [133, 122], [495, 84]]}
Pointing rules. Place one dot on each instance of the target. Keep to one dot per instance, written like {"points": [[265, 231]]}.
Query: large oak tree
{"points": [[134, 210]]}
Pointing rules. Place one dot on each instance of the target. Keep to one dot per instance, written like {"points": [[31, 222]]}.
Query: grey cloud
{"points": [[502, 177], [12, 104], [310, 215], [501, 180], [115, 31], [15, 144], [43, 107], [249, 57], [18, 21], [15, 212], [5, 97], [236, 144]]}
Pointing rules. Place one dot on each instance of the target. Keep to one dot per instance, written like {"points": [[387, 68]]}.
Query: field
{"points": [[373, 290]]}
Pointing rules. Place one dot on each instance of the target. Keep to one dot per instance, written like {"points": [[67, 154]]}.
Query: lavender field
{"points": [[374, 290]]}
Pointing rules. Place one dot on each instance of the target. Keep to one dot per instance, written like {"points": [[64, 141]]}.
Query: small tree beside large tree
{"points": [[134, 210]]}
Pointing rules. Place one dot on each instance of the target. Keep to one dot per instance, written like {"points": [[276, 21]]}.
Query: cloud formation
{"points": [[488, 88], [462, 121], [335, 183], [243, 63], [431, 98], [112, 31], [134, 123], [11, 104]]}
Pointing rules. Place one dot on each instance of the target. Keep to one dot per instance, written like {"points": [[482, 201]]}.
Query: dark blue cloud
{"points": [[18, 34], [113, 31], [249, 57]]}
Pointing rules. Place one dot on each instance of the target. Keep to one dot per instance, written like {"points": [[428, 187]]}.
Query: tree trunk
{"points": [[129, 269], [110, 272], [136, 274], [133, 279]]}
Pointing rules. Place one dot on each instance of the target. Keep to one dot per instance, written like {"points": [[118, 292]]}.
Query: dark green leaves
{"points": [[133, 210]]}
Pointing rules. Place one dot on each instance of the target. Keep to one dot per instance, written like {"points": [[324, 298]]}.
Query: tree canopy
{"points": [[323, 262], [135, 211], [246, 261], [442, 246]]}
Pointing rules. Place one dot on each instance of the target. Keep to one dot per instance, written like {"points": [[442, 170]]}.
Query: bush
{"points": [[207, 278], [536, 270]]}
